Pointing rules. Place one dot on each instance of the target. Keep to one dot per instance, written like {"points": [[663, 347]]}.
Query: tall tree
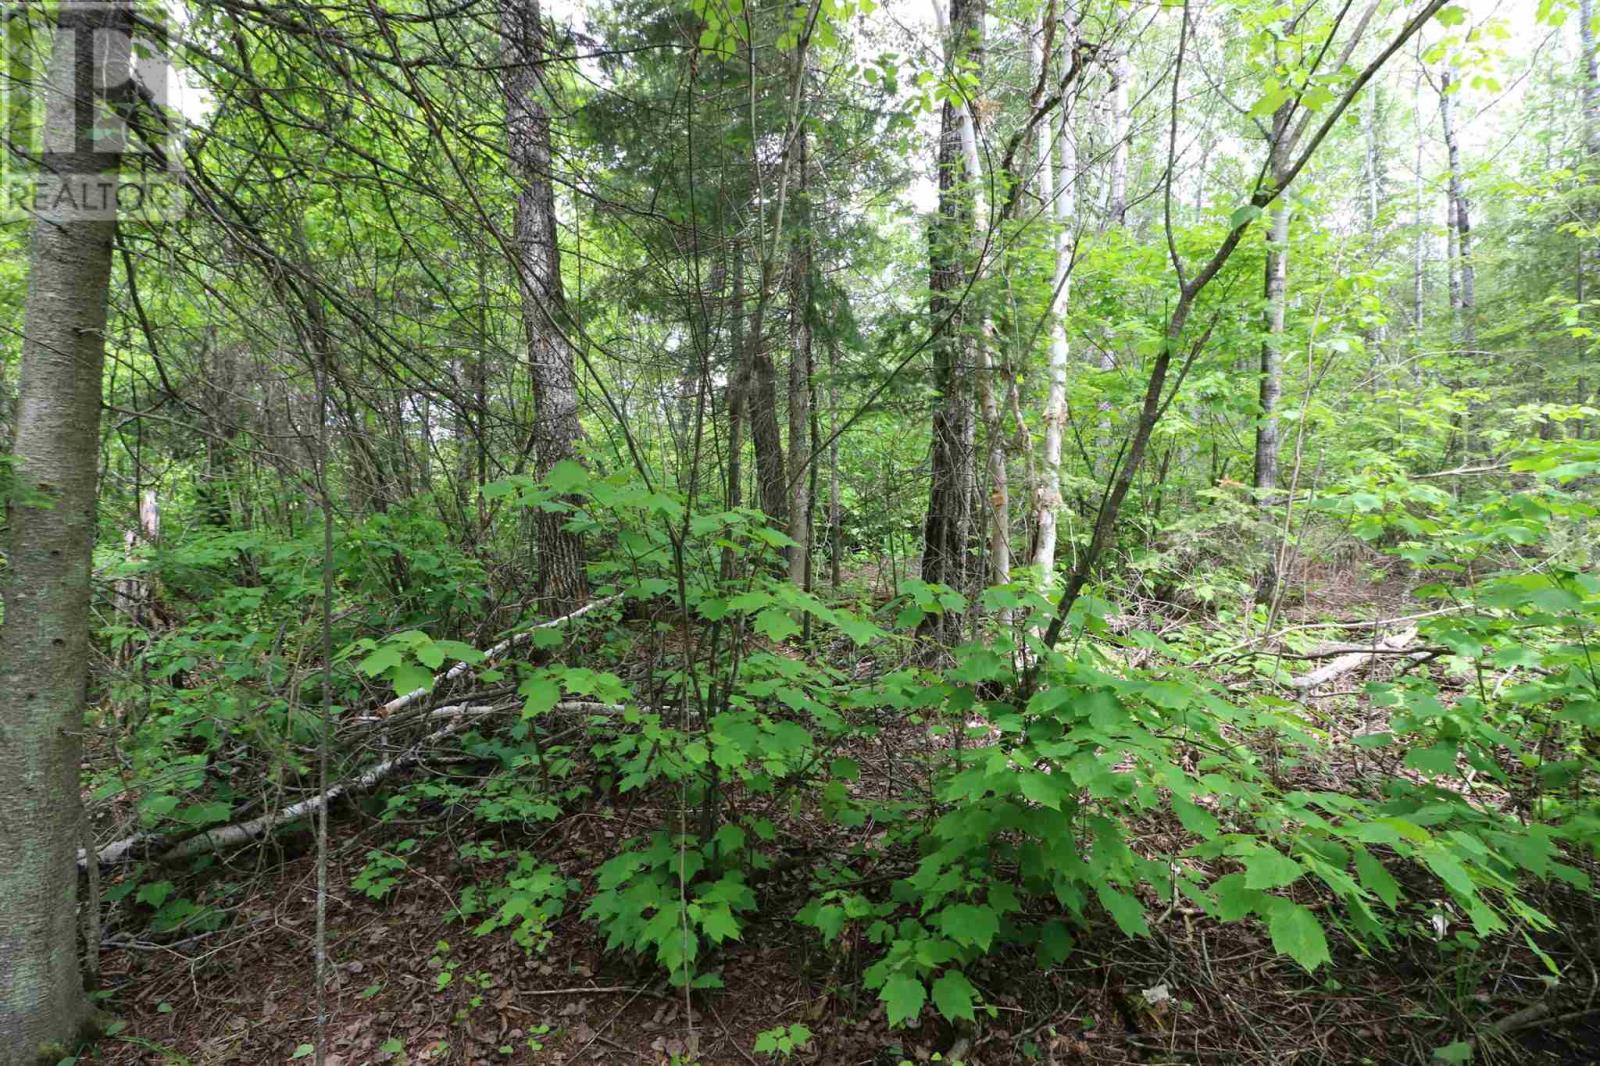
{"points": [[44, 639], [1275, 287], [1464, 291], [800, 338], [562, 584], [948, 526], [1058, 185], [1121, 137]]}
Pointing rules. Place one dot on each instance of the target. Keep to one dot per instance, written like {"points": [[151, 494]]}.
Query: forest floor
{"points": [[1195, 991]]}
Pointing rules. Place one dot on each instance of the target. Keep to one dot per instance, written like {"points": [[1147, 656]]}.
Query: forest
{"points": [[850, 532]]}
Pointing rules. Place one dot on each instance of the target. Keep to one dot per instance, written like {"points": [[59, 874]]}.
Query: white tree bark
{"points": [[1058, 175]]}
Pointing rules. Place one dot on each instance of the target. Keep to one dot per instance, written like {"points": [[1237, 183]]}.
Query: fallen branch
{"points": [[400, 703], [568, 706], [461, 714], [1350, 660], [238, 833]]}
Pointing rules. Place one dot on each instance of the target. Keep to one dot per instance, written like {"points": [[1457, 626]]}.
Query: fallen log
{"points": [[227, 836], [460, 716], [1351, 659], [401, 702]]}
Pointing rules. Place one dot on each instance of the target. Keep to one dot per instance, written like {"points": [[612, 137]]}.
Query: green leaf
{"points": [[1450, 870], [970, 924], [567, 476], [775, 624], [1269, 868], [1055, 943], [1124, 909], [1047, 790], [409, 677], [1451, 16], [1461, 1050], [539, 695], [1244, 216], [1233, 899], [155, 893], [1439, 759], [719, 924], [303, 1051], [1297, 934], [953, 995], [1375, 878], [903, 997]]}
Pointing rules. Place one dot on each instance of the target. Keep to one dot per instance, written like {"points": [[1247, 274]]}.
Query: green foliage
{"points": [[783, 1041], [530, 896], [673, 897], [384, 870]]}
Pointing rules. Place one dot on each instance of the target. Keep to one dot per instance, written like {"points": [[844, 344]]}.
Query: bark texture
{"points": [[44, 640], [947, 530], [1058, 167], [1121, 133], [800, 336], [1464, 290], [561, 581], [1275, 287]]}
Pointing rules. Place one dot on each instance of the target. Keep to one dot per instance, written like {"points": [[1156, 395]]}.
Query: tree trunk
{"points": [[1271, 371], [736, 382], [761, 405], [1591, 79], [999, 482], [835, 529], [1374, 179], [562, 585], [1464, 290], [1058, 166], [1270, 381], [44, 639], [800, 375], [948, 527], [1275, 289], [1588, 279], [1121, 134], [1419, 222]]}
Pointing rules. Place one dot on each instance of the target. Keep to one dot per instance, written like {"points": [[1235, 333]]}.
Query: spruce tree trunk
{"points": [[947, 530], [44, 640], [562, 584], [737, 379], [761, 405], [835, 528], [800, 376]]}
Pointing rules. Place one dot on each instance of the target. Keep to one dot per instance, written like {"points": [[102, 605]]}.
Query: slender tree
{"points": [[562, 584], [948, 527], [1058, 184], [44, 639], [1459, 222], [800, 338]]}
